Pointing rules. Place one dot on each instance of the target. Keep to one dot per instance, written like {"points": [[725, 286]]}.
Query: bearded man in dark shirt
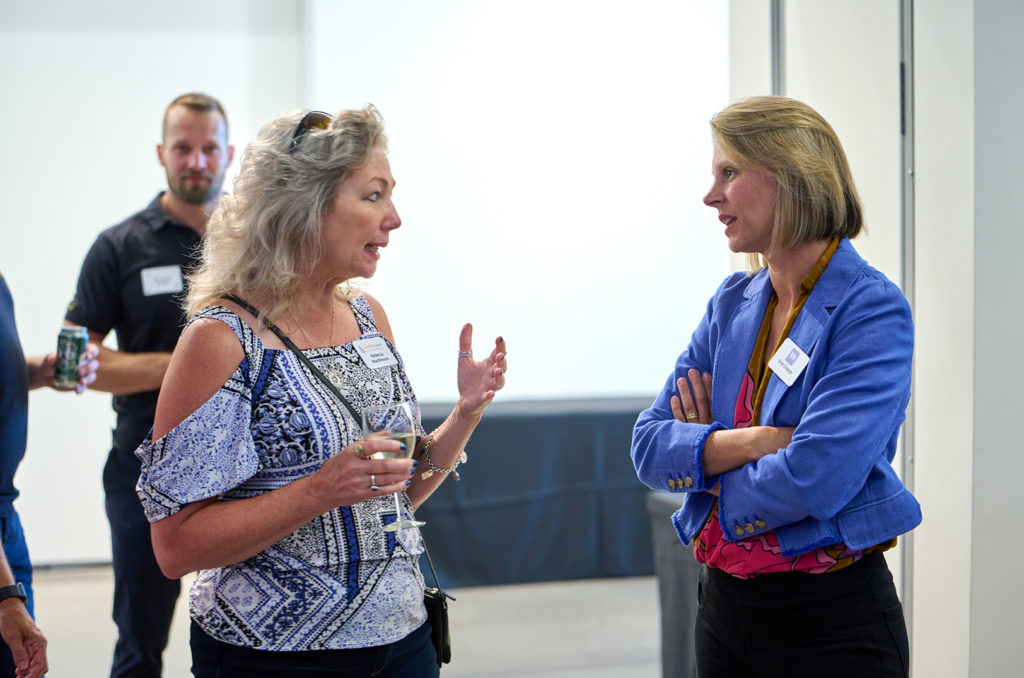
{"points": [[132, 283]]}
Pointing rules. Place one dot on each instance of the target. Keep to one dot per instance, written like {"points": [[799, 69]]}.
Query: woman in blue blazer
{"points": [[781, 418]]}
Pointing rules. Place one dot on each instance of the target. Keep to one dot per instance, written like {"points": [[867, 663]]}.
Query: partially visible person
{"points": [[257, 474], [23, 647], [132, 283], [781, 419]]}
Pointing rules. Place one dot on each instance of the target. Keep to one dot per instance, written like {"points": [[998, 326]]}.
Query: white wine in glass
{"points": [[393, 422]]}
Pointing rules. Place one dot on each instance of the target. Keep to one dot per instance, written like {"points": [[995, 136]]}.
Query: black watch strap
{"points": [[16, 590]]}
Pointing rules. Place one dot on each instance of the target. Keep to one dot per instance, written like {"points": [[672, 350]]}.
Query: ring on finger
{"points": [[373, 483], [691, 415], [465, 354], [359, 451]]}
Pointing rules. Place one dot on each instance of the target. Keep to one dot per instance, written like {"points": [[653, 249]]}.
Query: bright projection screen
{"points": [[550, 159]]}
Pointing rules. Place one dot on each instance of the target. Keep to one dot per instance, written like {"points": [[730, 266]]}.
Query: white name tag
{"points": [[788, 362], [375, 352], [161, 280]]}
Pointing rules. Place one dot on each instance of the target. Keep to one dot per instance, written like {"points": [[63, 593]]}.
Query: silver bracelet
{"points": [[462, 459]]}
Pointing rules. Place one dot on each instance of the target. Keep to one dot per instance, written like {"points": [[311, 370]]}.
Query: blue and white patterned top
{"points": [[328, 585]]}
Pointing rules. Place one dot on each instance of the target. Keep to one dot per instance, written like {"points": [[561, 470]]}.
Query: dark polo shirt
{"points": [[132, 283]]}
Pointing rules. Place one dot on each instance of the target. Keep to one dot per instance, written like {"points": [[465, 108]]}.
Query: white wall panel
{"points": [[84, 87], [843, 59], [551, 157], [944, 316]]}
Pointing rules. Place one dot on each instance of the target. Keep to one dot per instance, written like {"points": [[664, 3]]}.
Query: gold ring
{"points": [[691, 415], [359, 451]]}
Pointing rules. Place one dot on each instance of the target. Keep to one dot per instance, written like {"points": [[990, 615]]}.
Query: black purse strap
{"points": [[299, 354], [334, 389], [430, 564]]}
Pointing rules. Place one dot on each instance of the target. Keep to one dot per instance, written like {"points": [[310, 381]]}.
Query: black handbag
{"points": [[434, 599]]}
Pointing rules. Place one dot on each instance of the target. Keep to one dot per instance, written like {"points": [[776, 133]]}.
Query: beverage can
{"points": [[72, 342]]}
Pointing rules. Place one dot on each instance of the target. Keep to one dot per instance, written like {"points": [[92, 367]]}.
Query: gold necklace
{"points": [[333, 307], [302, 328]]}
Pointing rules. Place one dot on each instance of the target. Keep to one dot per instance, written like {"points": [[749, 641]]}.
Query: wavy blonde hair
{"points": [[786, 138], [265, 237]]}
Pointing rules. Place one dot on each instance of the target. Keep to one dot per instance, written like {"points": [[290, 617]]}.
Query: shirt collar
{"points": [[807, 284], [157, 217]]}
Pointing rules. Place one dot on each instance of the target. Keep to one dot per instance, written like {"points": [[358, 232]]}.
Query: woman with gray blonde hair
{"points": [[780, 421], [257, 473]]}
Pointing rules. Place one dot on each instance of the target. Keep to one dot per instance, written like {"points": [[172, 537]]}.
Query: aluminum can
{"points": [[72, 343]]}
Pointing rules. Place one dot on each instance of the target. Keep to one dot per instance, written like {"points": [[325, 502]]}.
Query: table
{"points": [[549, 494]]}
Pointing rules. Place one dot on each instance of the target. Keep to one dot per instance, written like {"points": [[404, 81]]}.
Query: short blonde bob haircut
{"points": [[265, 237], [789, 140]]}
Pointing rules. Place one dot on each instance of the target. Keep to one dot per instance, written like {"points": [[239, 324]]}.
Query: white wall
{"points": [[853, 79], [84, 87], [551, 158], [945, 322], [997, 588]]}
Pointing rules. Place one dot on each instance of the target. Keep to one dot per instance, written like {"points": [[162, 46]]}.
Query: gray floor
{"points": [[605, 628]]}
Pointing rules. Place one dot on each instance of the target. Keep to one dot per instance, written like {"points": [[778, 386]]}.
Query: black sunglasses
{"points": [[311, 120]]}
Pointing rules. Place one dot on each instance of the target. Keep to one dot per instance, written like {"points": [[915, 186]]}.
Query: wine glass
{"points": [[393, 422]]}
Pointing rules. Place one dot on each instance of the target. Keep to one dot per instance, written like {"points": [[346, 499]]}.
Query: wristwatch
{"points": [[15, 590]]}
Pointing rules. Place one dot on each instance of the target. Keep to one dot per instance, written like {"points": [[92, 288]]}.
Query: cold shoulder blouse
{"points": [[337, 582]]}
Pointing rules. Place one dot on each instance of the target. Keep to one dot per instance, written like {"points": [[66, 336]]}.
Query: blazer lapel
{"points": [[805, 333], [733, 351], [835, 280]]}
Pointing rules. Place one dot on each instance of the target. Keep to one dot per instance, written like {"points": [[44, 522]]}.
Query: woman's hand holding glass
{"points": [[396, 424], [349, 476]]}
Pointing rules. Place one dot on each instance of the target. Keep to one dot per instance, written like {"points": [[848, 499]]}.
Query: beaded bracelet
{"points": [[462, 458]]}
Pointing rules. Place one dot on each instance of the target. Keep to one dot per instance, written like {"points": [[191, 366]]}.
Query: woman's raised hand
{"points": [[479, 380]]}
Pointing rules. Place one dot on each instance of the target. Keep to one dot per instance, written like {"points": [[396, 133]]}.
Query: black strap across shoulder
{"points": [[299, 354], [334, 389]]}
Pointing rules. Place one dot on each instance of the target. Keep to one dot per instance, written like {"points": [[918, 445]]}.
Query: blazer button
{"points": [[672, 483], [760, 524], [749, 528], [738, 530], [688, 481]]}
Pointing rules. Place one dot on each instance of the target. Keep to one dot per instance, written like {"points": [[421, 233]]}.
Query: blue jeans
{"points": [[410, 657], [16, 551], [841, 624], [143, 597]]}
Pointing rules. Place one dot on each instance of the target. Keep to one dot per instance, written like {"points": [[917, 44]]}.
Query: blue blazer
{"points": [[834, 482]]}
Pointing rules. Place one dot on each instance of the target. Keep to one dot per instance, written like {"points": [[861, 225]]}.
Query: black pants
{"points": [[411, 657], [143, 597], [793, 624]]}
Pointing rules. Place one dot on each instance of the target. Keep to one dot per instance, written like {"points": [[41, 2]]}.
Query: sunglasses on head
{"points": [[311, 120]]}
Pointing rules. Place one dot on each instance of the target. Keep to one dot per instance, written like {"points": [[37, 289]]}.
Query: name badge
{"points": [[788, 362], [161, 280], [375, 352]]}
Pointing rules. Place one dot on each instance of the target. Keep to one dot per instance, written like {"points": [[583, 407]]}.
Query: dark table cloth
{"points": [[549, 494]]}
